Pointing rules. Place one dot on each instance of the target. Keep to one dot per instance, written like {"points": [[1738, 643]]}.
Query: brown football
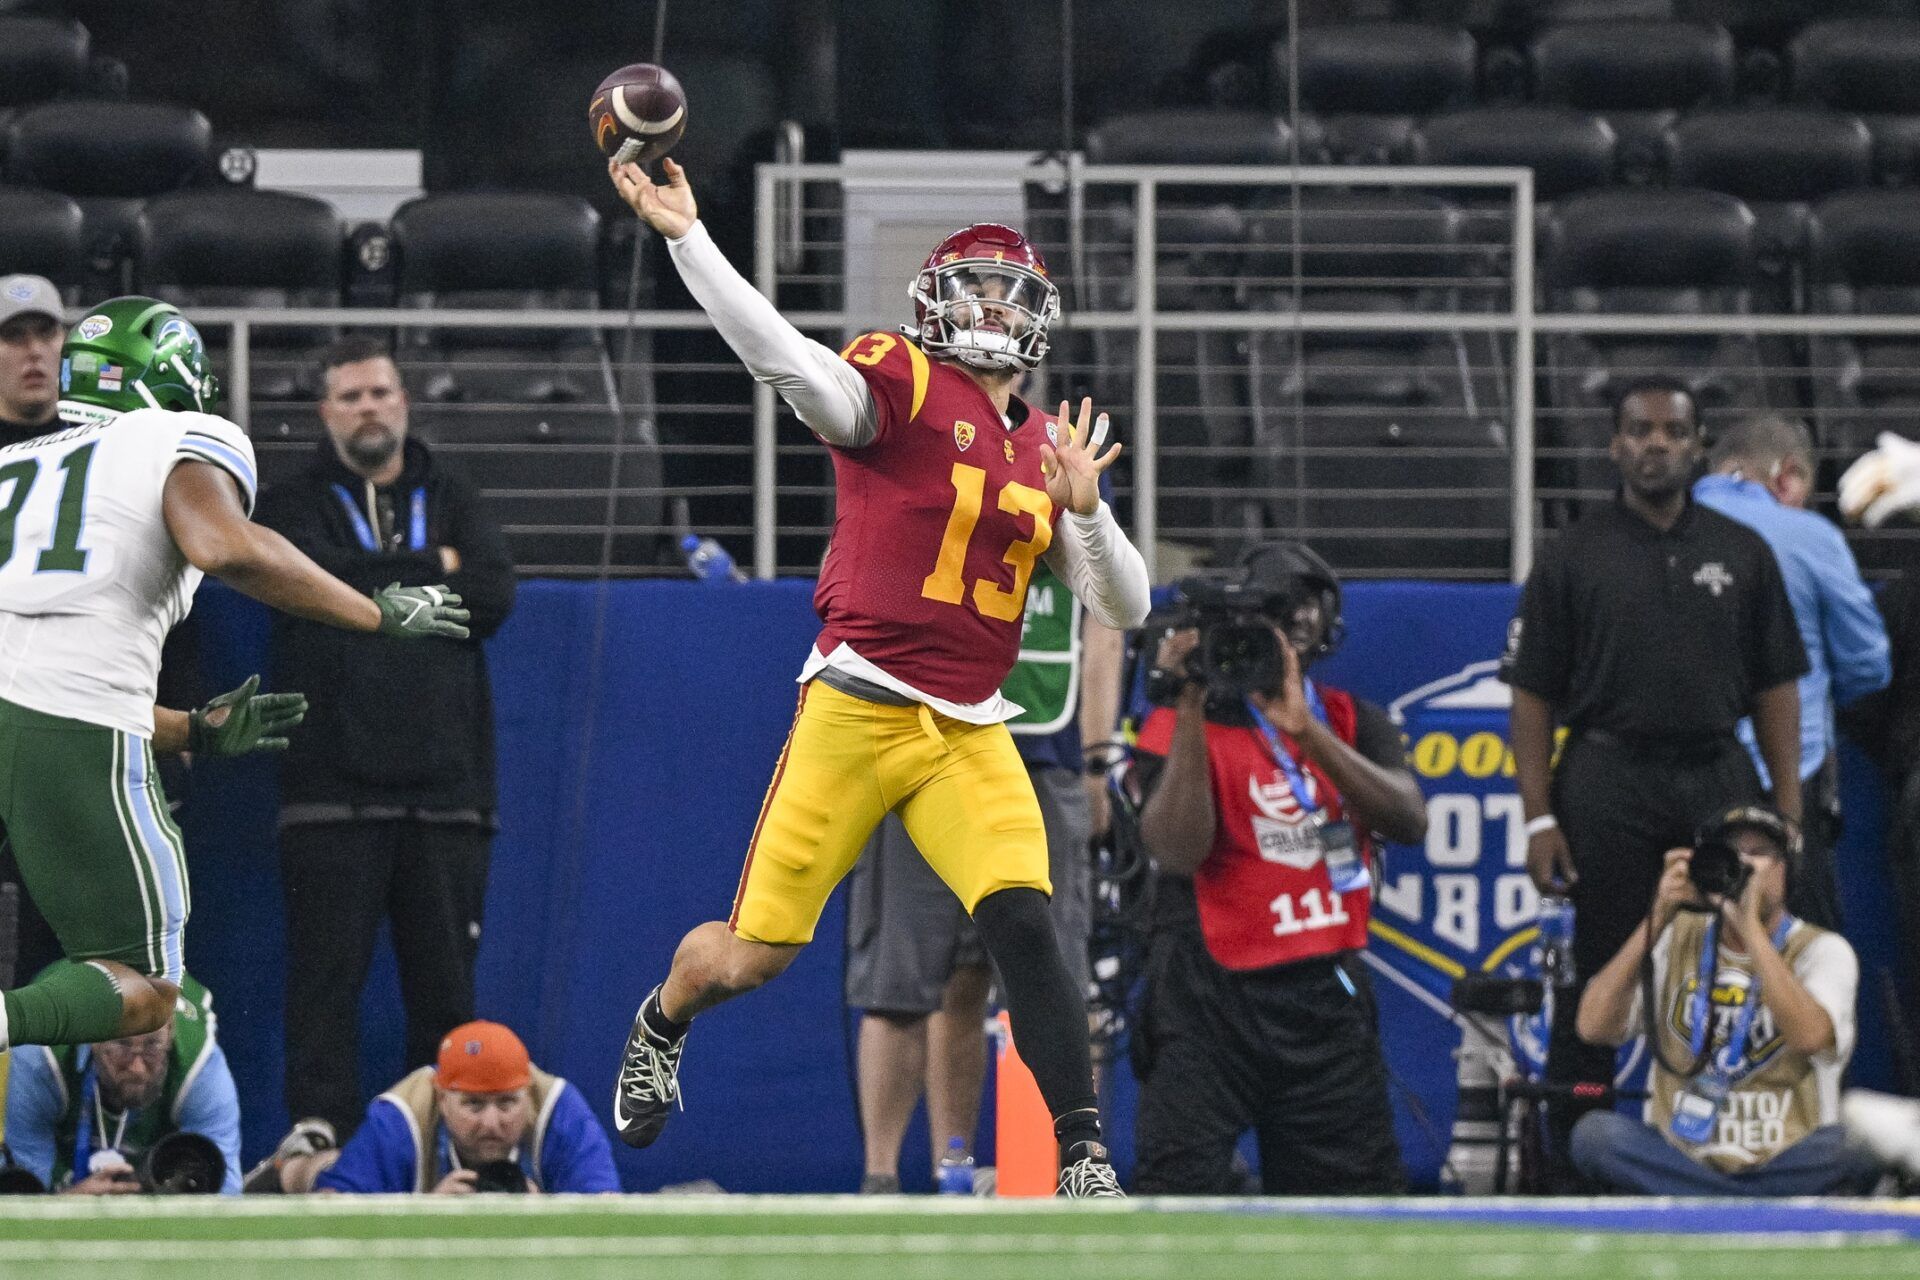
{"points": [[638, 113]]}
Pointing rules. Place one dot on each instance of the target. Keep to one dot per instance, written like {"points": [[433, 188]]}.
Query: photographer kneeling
{"points": [[154, 1113], [1752, 1024], [1261, 787], [482, 1118]]}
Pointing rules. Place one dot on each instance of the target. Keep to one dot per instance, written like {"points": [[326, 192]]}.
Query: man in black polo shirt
{"points": [[1648, 631]]}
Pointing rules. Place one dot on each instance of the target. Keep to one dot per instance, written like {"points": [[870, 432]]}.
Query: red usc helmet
{"points": [[983, 298]]}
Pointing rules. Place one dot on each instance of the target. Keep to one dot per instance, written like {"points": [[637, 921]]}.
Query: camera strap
{"points": [[101, 1144], [1699, 1103], [1346, 871], [1300, 780]]}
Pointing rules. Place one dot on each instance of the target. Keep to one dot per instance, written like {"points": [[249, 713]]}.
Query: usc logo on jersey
{"points": [[963, 435], [1008, 446]]}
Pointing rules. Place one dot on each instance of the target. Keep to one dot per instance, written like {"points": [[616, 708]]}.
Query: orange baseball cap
{"points": [[483, 1057]]}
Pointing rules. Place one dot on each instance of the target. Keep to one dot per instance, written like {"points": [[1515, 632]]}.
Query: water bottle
{"points": [[955, 1175], [709, 560], [1556, 940]]}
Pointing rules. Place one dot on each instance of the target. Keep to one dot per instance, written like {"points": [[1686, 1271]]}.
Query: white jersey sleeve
{"points": [[205, 438]]}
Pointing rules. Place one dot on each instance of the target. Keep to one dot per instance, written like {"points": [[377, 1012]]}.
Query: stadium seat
{"points": [[40, 58], [514, 250], [1680, 252], [1368, 83], [238, 247], [1359, 441], [1869, 66], [1864, 259], [1190, 135], [1639, 75], [41, 233], [1778, 160], [1567, 150], [109, 156]]}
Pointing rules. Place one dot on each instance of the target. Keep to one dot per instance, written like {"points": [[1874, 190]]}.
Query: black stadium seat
{"points": [[516, 250], [1355, 435], [1864, 259], [1678, 252], [1640, 75], [1869, 66], [239, 247], [1778, 160], [1200, 234], [109, 156], [41, 234], [1567, 150], [1369, 83], [40, 58]]}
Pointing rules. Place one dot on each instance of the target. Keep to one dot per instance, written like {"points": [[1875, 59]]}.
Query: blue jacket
{"points": [[205, 1103], [567, 1149], [1846, 642]]}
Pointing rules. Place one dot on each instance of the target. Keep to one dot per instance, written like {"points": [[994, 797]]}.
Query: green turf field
{"points": [[807, 1238]]}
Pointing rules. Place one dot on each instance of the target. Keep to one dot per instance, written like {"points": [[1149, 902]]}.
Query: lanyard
{"points": [[1736, 1046], [100, 1123], [1298, 779], [416, 520]]}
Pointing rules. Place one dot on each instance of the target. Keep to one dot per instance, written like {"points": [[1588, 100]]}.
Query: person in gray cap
{"points": [[30, 336]]}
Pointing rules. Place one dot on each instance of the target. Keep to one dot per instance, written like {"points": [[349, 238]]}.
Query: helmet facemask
{"points": [[986, 313]]}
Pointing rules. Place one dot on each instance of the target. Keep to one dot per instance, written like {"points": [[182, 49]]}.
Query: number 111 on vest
{"points": [[1311, 910]]}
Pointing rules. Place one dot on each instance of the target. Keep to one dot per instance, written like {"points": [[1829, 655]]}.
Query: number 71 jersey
{"points": [[939, 522], [90, 578]]}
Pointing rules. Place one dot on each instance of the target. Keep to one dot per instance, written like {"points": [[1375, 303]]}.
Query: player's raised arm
{"points": [[203, 513], [827, 394], [1090, 552]]}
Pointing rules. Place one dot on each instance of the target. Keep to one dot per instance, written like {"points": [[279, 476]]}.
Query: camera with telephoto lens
{"points": [[500, 1175], [1716, 868], [182, 1164]]}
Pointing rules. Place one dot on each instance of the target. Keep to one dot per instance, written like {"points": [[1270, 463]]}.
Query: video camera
{"points": [[1239, 652]]}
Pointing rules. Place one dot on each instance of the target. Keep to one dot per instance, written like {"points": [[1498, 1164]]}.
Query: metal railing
{"points": [[1135, 326]]}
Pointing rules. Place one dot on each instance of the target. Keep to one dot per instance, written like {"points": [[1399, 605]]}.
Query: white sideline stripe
{"points": [[1605, 1210], [1486, 1251]]}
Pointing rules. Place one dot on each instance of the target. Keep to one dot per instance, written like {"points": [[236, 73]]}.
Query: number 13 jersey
{"points": [[940, 520], [90, 578]]}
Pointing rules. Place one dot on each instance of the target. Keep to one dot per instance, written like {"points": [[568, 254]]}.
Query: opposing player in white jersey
{"points": [[106, 527]]}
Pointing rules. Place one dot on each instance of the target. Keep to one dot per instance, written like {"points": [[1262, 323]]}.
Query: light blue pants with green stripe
{"points": [[97, 849]]}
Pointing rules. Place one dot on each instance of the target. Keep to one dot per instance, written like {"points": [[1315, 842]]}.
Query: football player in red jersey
{"points": [[949, 489]]}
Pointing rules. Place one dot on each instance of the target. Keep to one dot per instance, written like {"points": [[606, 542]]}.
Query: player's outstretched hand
{"points": [[244, 720], [414, 613], [670, 210], [1073, 465]]}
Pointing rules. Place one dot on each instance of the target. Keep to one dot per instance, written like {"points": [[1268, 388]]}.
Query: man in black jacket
{"points": [[382, 815]]}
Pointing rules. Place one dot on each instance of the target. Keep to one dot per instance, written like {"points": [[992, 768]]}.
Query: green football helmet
{"points": [[134, 353]]}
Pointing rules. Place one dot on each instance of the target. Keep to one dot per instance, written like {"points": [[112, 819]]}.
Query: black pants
{"points": [[429, 880], [1290, 1053], [1622, 808], [1813, 894], [1903, 851]]}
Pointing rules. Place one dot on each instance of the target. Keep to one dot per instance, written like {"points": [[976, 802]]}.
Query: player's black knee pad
{"points": [[1016, 928]]}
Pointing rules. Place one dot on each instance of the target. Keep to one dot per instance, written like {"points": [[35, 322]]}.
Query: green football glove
{"points": [[243, 721], [413, 613]]}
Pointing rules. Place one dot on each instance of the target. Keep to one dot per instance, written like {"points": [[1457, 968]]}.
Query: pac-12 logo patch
{"points": [[94, 327], [963, 436]]}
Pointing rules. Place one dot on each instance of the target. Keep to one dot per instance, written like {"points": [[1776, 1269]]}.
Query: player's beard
{"points": [[370, 447]]}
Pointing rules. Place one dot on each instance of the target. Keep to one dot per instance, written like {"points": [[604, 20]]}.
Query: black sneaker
{"points": [[304, 1139], [1085, 1173], [880, 1184], [649, 1084]]}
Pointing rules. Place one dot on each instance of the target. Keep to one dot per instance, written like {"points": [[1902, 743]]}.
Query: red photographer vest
{"points": [[1263, 892]]}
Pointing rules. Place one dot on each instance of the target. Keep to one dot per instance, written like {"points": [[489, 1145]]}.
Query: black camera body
{"points": [[1717, 871], [500, 1176], [1239, 652]]}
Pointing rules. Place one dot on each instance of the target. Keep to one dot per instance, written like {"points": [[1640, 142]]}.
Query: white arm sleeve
{"points": [[823, 389], [1092, 555]]}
